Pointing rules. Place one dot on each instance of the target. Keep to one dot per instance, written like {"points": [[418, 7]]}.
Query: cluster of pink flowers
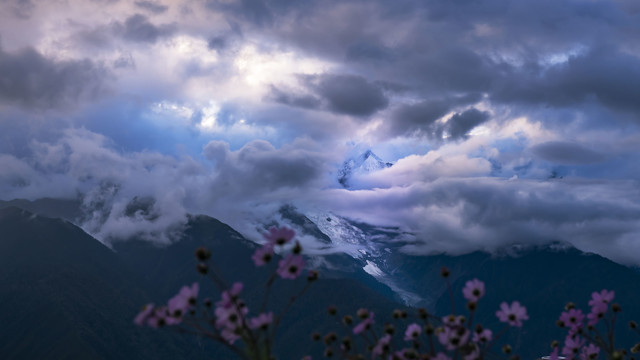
{"points": [[292, 265], [230, 320], [436, 338], [173, 312], [446, 338], [585, 343]]}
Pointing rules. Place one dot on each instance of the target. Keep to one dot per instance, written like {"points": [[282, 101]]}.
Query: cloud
{"points": [[152, 6], [567, 153], [460, 215], [459, 125], [343, 94], [604, 75], [138, 28], [31, 80], [259, 168], [294, 100]]}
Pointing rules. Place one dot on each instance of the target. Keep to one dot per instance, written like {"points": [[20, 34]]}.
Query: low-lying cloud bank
{"points": [[457, 209]]}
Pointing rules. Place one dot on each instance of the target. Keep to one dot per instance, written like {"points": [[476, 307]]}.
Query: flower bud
{"points": [[636, 348], [444, 272], [316, 336], [297, 248], [203, 254], [313, 275], [202, 268], [347, 320], [332, 310], [328, 352], [428, 329], [363, 313], [423, 313], [207, 302], [389, 329], [330, 337], [616, 308], [554, 344], [471, 306], [633, 324], [346, 343], [506, 349], [570, 306], [617, 355]]}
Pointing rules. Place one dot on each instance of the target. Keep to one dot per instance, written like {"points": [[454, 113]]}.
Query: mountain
{"points": [[64, 295], [58, 285], [543, 278], [364, 163], [168, 268]]}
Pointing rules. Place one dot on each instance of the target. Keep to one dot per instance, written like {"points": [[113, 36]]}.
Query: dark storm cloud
{"points": [[258, 168], [603, 75], [138, 28], [419, 119], [349, 94], [31, 80], [561, 152], [152, 6], [342, 94], [459, 125], [291, 99]]}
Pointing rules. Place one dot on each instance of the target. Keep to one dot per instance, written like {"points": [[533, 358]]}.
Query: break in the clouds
{"points": [[506, 121]]}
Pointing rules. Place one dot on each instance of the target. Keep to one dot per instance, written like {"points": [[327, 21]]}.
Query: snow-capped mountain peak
{"points": [[366, 162]]}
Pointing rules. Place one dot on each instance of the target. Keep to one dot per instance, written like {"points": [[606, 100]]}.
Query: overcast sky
{"points": [[508, 121]]}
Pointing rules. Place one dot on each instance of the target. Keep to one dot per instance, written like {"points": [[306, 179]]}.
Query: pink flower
{"points": [[412, 332], [382, 346], [229, 335], [262, 255], [183, 301], [143, 315], [158, 318], [365, 324], [473, 290], [290, 267], [597, 313], [261, 321], [572, 319], [229, 317], [601, 299], [571, 346], [484, 336], [453, 338], [231, 295], [589, 352], [512, 314], [279, 236]]}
